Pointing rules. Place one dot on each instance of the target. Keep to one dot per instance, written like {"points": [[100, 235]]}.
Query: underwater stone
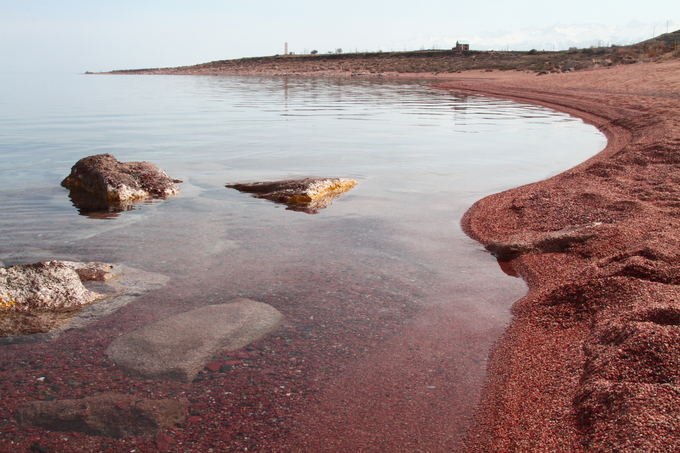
{"points": [[105, 414], [179, 346]]}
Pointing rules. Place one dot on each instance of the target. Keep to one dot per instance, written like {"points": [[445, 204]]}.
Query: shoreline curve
{"points": [[590, 360]]}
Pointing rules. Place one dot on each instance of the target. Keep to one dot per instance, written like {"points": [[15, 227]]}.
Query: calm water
{"points": [[349, 279]]}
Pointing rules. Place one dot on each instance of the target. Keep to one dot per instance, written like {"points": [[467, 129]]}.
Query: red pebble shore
{"points": [[591, 359]]}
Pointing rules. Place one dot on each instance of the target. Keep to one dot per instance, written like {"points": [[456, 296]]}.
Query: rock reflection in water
{"points": [[97, 208], [314, 206]]}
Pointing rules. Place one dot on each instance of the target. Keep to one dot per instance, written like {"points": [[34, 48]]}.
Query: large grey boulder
{"points": [[307, 195], [106, 414], [179, 346], [101, 182]]}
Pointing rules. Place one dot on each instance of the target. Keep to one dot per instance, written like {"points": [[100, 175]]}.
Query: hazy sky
{"points": [[80, 35]]}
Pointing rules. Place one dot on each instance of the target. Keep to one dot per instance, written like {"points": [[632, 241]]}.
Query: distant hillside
{"points": [[436, 61], [671, 40]]}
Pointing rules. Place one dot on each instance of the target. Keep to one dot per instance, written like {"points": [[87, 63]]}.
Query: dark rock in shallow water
{"points": [[308, 195], [39, 301], [100, 183], [179, 346], [106, 414]]}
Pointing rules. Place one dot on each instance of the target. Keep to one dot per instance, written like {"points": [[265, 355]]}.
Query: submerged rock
{"points": [[43, 299], [102, 183], [307, 195], [106, 414], [179, 346]]}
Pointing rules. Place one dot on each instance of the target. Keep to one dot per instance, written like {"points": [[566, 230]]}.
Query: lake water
{"points": [[389, 308]]}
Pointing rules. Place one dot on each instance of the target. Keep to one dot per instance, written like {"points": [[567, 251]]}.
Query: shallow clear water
{"points": [[359, 272], [410, 147]]}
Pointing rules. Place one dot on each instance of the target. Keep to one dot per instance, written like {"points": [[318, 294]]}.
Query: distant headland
{"points": [[457, 59]]}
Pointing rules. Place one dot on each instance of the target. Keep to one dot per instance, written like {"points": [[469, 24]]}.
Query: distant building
{"points": [[460, 47]]}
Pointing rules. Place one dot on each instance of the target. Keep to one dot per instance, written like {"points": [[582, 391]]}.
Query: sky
{"points": [[99, 35]]}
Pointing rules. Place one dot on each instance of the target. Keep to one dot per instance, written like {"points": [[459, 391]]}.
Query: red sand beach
{"points": [[591, 359]]}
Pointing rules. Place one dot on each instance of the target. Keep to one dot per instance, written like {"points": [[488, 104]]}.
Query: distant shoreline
{"points": [[441, 62]]}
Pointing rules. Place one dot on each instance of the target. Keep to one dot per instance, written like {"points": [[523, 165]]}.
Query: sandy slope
{"points": [[592, 358]]}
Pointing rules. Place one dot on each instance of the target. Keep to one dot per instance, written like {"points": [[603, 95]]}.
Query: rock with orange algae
{"points": [[106, 414], [308, 195], [101, 182]]}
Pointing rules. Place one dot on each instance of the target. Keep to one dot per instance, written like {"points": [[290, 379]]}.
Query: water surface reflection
{"points": [[390, 309]]}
